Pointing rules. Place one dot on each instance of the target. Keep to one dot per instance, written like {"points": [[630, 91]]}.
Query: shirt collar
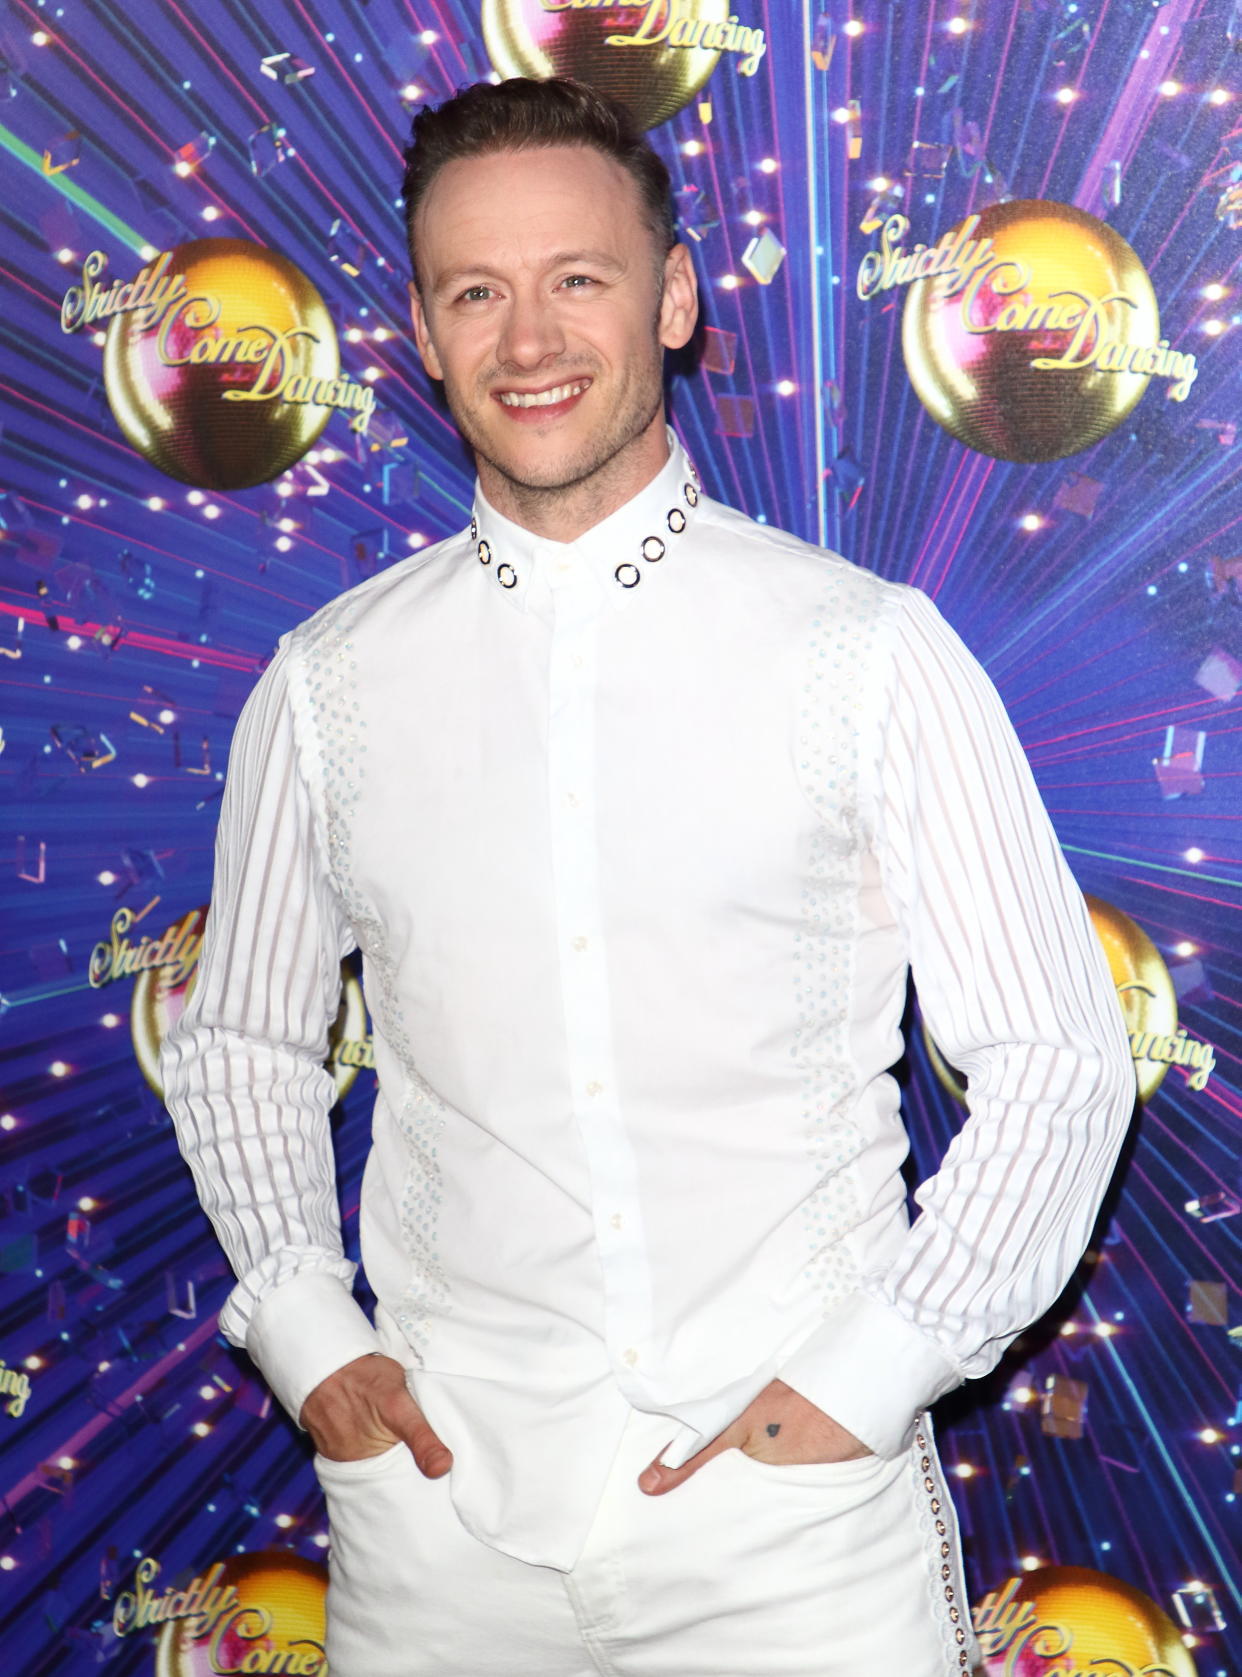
{"points": [[619, 554]]}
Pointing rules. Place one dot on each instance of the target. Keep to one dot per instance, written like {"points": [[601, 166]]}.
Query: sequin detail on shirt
{"points": [[829, 715], [325, 667]]}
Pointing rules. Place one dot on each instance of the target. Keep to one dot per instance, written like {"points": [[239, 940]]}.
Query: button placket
{"points": [[572, 681]]}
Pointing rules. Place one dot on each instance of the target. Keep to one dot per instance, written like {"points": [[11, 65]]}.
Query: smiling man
{"points": [[549, 330], [638, 812]]}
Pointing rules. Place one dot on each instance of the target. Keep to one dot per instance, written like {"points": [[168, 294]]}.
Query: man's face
{"points": [[542, 308]]}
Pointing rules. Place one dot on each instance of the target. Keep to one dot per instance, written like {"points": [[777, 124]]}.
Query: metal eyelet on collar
{"points": [[652, 548], [474, 528]]}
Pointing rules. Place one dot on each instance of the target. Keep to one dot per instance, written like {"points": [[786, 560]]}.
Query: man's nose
{"points": [[531, 332]]}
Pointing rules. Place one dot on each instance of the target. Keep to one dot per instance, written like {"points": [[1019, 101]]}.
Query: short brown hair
{"points": [[523, 114]]}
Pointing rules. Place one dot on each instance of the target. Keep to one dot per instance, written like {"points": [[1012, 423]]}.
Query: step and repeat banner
{"points": [[973, 303]]}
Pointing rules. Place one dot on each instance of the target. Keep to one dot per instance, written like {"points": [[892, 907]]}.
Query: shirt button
{"points": [[580, 943], [631, 1356], [573, 800], [578, 660], [595, 1088], [615, 1219]]}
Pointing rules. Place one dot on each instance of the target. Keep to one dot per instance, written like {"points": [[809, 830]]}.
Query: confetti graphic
{"points": [[1102, 591]]}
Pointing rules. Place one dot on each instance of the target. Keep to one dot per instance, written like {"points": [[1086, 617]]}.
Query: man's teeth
{"points": [[543, 398]]}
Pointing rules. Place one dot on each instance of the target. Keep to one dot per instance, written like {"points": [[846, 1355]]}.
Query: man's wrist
{"points": [[871, 1371], [303, 1331]]}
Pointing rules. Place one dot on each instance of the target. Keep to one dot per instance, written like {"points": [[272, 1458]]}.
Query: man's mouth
{"points": [[541, 398]]}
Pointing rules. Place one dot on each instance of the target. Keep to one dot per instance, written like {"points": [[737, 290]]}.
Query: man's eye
{"points": [[475, 293], [577, 282]]}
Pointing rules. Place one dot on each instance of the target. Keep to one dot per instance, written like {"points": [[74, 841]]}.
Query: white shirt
{"points": [[637, 835]]}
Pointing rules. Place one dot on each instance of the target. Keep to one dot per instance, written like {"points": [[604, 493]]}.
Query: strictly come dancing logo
{"points": [[252, 1615], [1148, 1005], [652, 55], [15, 1391], [164, 964], [1030, 329], [221, 362], [1070, 1621]]}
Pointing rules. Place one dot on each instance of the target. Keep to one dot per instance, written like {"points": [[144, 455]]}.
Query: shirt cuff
{"points": [[303, 1331], [872, 1372]]}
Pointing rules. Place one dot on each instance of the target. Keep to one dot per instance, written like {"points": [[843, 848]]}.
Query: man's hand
{"points": [[780, 1426], [364, 1409]]}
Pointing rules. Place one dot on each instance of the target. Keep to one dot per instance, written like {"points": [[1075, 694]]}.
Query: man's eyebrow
{"points": [[595, 258], [478, 272]]}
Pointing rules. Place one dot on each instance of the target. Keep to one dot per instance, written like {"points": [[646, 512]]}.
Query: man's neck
{"points": [[564, 514]]}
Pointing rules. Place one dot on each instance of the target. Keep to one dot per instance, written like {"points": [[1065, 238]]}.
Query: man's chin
{"points": [[562, 457], [560, 469]]}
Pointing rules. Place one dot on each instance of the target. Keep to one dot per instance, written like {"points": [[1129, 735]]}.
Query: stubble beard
{"points": [[592, 460]]}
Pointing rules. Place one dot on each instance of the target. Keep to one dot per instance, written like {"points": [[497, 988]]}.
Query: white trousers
{"points": [[845, 1569]]}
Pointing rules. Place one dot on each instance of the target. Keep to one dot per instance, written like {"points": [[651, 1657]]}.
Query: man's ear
{"points": [[679, 304], [422, 334]]}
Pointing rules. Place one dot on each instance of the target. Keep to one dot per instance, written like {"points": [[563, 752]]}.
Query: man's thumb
{"points": [[432, 1457], [657, 1477]]}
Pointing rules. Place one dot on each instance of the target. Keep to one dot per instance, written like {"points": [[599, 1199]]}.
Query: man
{"points": [[637, 811]]}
